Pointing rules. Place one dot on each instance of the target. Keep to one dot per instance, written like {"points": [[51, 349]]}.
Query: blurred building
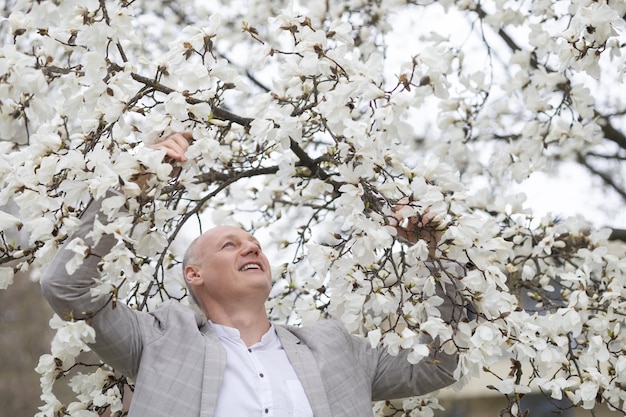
{"points": [[476, 400]]}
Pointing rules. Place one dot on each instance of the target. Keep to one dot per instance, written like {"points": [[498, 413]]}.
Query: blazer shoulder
{"points": [[173, 314], [326, 331]]}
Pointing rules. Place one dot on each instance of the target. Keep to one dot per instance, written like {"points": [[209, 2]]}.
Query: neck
{"points": [[252, 324]]}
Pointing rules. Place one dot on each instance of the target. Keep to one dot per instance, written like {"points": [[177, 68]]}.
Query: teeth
{"points": [[250, 266]]}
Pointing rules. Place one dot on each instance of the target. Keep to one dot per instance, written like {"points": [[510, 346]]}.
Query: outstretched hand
{"points": [[416, 227], [175, 145]]}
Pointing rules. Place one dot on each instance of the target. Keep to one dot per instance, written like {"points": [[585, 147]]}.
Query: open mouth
{"points": [[252, 265]]}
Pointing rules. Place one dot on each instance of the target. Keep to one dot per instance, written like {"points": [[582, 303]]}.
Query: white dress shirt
{"points": [[259, 380]]}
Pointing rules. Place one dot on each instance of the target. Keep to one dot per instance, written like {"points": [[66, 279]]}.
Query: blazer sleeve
{"points": [[118, 328], [394, 376]]}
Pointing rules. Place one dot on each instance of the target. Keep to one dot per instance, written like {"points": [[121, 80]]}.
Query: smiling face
{"points": [[226, 266]]}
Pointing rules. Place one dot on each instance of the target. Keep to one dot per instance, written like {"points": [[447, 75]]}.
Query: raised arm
{"points": [[119, 336], [394, 376], [118, 342]]}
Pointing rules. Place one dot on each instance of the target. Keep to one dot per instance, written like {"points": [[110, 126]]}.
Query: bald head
{"points": [[223, 257]]}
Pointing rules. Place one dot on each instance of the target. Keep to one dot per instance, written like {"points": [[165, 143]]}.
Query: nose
{"points": [[250, 248]]}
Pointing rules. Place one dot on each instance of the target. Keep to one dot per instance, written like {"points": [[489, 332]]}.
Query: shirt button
{"points": [[250, 350], [267, 410], [261, 375]]}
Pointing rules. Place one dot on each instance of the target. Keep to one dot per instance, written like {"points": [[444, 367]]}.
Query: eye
{"points": [[228, 244]]}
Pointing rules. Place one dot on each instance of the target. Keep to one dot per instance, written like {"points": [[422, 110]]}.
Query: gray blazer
{"points": [[177, 362]]}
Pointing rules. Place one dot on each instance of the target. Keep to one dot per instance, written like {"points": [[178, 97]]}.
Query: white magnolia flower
{"points": [[70, 339], [81, 250], [6, 277]]}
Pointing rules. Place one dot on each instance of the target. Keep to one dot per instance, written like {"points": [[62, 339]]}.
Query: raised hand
{"points": [[417, 226], [175, 145]]}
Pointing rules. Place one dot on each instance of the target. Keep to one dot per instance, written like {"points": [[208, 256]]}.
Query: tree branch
{"points": [[218, 112], [618, 234], [603, 176], [610, 132]]}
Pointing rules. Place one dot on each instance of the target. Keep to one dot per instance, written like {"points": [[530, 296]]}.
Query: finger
{"points": [[175, 145], [172, 150], [403, 201], [395, 219], [402, 213], [181, 139], [428, 216], [174, 154], [178, 142]]}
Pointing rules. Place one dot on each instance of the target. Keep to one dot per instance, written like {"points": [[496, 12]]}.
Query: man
{"points": [[237, 363]]}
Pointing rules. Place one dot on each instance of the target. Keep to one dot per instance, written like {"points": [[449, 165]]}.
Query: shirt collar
{"points": [[268, 341]]}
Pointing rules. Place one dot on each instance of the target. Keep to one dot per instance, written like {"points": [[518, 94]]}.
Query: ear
{"points": [[192, 275]]}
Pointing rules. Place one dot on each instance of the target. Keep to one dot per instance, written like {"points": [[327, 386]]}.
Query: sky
{"points": [[573, 192]]}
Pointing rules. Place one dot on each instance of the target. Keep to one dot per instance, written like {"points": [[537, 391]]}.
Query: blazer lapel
{"points": [[305, 366]]}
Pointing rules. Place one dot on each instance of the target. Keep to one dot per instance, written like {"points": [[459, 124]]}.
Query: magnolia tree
{"points": [[310, 123]]}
